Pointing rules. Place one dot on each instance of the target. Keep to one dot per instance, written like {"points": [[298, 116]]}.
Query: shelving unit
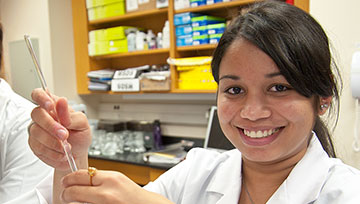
{"points": [[151, 19]]}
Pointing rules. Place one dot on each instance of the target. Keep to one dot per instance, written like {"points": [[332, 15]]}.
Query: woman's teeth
{"points": [[260, 134]]}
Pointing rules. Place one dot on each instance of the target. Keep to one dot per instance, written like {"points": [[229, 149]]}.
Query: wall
{"points": [[50, 21], [340, 20]]}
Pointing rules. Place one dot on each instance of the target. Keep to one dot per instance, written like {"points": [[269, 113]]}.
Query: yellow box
{"points": [[115, 33], [200, 71], [194, 73], [97, 35], [96, 3], [98, 48], [96, 13], [197, 84], [117, 46], [115, 9], [93, 3]]}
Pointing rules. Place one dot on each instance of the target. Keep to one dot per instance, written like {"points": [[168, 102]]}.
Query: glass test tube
{"points": [[64, 143]]}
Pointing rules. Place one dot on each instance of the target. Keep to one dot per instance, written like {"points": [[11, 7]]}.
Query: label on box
{"points": [[125, 74], [123, 85]]}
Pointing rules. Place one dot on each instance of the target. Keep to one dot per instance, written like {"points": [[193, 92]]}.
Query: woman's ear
{"points": [[324, 105]]}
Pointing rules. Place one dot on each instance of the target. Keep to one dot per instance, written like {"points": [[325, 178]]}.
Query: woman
{"points": [[276, 78], [20, 169]]}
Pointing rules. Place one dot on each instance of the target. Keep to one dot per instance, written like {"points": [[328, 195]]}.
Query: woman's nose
{"points": [[255, 109]]}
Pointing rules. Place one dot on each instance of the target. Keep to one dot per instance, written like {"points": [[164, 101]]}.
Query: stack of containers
{"points": [[200, 28], [183, 28], [108, 41], [194, 73], [98, 9], [215, 32]]}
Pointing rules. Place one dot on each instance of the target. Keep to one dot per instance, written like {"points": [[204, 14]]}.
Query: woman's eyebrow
{"points": [[274, 74], [234, 77]]}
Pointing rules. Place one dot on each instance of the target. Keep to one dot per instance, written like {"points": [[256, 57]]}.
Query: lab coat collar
{"points": [[303, 184], [306, 180], [226, 180]]}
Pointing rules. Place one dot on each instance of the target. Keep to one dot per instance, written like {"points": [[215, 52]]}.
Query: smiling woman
{"points": [[276, 78]]}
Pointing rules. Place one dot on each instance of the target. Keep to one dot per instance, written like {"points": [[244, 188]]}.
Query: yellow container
{"points": [[115, 9], [197, 84], [98, 48], [117, 46], [200, 72], [97, 35], [194, 73], [116, 33], [96, 13]]}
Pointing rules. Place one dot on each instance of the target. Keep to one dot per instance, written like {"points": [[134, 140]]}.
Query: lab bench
{"points": [[130, 164]]}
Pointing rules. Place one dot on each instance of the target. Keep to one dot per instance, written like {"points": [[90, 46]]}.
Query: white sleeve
{"points": [[42, 194], [20, 169]]}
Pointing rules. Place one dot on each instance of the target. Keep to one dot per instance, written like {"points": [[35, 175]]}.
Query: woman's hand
{"points": [[53, 121], [108, 187]]}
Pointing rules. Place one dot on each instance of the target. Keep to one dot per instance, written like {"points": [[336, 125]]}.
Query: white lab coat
{"points": [[208, 177], [20, 169]]}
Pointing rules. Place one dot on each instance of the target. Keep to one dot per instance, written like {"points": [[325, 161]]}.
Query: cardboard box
{"points": [[154, 85], [140, 5]]}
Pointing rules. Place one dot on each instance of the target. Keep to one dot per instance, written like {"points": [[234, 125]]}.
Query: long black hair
{"points": [[297, 44]]}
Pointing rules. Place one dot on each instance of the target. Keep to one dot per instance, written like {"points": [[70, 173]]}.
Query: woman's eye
{"points": [[279, 88], [234, 90]]}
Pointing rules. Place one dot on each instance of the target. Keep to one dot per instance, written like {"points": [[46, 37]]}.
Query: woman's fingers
{"points": [[47, 123], [43, 99], [103, 189]]}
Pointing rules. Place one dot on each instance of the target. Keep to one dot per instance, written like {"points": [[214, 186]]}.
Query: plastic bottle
{"points": [[131, 40], [159, 40], [150, 38], [140, 37], [157, 135], [166, 35]]}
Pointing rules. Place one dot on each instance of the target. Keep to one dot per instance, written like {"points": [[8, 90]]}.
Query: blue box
{"points": [[206, 20], [200, 30], [196, 3], [216, 28], [184, 18], [201, 39], [184, 40], [214, 38], [183, 30]]}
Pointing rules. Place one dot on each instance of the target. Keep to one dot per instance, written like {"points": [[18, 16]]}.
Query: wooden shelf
{"points": [[132, 54], [196, 47], [216, 6], [130, 16], [151, 19]]}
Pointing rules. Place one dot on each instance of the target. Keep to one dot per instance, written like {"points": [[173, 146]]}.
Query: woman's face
{"points": [[259, 111]]}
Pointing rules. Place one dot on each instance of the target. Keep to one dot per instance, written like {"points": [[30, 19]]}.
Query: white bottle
{"points": [[166, 35], [131, 40], [150, 39], [140, 38], [159, 40]]}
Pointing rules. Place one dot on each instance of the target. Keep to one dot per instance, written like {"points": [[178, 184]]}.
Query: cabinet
{"points": [[151, 19], [139, 174]]}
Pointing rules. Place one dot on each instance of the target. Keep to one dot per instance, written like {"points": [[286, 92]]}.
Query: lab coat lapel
{"points": [[225, 186], [305, 181]]}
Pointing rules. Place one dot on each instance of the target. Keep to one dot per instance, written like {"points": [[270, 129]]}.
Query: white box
{"points": [[125, 85]]}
